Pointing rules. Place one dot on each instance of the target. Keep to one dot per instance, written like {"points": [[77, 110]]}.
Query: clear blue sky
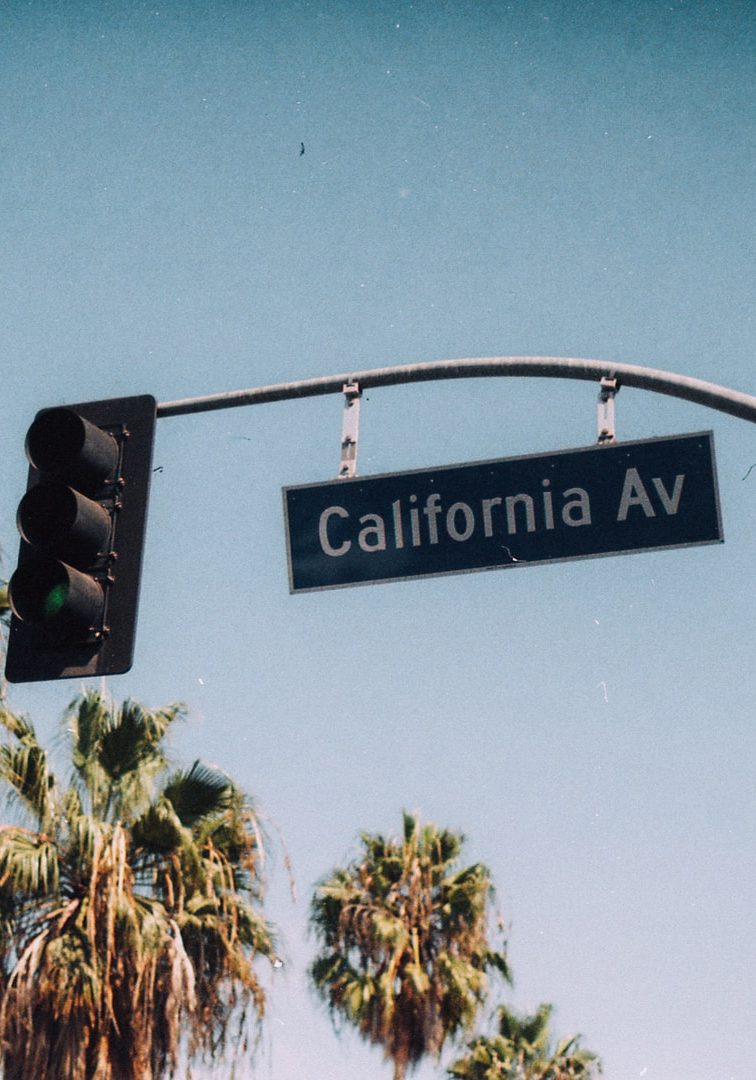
{"points": [[479, 179]]}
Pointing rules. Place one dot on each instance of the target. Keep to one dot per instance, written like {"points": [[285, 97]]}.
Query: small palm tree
{"points": [[130, 902], [404, 936], [523, 1050]]}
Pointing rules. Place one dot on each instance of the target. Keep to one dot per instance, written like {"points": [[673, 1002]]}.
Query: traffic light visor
{"points": [[60, 441], [52, 514]]}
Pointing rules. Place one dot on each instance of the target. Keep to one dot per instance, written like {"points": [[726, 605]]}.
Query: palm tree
{"points": [[130, 903], [404, 942], [523, 1050]]}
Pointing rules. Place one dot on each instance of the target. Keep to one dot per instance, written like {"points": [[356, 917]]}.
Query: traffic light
{"points": [[75, 591]]}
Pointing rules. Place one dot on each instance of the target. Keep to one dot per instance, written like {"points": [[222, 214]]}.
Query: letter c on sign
{"points": [[325, 543]]}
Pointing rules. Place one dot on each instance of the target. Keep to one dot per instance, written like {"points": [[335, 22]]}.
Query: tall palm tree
{"points": [[130, 902], [404, 942], [523, 1050]]}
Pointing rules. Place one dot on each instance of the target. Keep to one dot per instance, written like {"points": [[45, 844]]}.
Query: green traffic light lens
{"points": [[55, 600]]}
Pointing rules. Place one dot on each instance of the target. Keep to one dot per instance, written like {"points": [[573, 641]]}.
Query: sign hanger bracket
{"points": [[605, 412], [350, 430]]}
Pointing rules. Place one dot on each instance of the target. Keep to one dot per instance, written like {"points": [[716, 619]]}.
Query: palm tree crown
{"points": [[404, 942], [523, 1050], [130, 902]]}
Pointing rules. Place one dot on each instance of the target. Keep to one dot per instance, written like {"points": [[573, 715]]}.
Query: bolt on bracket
{"points": [[605, 412], [350, 430]]}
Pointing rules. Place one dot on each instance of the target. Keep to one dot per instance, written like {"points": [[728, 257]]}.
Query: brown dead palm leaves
{"points": [[130, 910], [404, 936]]}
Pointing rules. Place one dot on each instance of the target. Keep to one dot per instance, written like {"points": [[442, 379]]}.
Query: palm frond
{"points": [[199, 792], [159, 829], [522, 1050], [24, 768], [18, 726], [118, 753], [134, 739], [28, 863]]}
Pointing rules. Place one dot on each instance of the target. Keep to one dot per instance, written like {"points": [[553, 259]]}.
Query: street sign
{"points": [[572, 504]]}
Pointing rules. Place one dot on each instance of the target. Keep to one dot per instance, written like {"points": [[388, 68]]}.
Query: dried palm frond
{"points": [[404, 937], [130, 914]]}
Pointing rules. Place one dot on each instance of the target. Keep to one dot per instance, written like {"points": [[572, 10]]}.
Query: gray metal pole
{"points": [[549, 367]]}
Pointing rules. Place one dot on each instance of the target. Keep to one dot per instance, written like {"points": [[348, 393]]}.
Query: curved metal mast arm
{"points": [[709, 394]]}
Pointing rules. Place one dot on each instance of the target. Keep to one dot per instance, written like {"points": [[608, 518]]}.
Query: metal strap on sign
{"points": [[350, 430], [606, 426]]}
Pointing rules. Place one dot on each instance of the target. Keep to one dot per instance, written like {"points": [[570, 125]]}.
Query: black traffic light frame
{"points": [[108, 645]]}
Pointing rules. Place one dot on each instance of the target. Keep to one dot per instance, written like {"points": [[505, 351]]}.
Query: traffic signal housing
{"points": [[75, 592]]}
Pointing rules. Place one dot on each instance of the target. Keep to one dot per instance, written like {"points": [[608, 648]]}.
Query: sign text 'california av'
{"points": [[571, 504]]}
